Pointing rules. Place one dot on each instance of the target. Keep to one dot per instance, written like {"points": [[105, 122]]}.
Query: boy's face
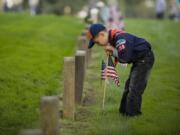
{"points": [[102, 38]]}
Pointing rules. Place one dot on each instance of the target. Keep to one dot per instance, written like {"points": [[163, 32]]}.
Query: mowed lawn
{"points": [[161, 99], [31, 63]]}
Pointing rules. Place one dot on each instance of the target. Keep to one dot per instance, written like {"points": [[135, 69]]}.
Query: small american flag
{"points": [[109, 71]]}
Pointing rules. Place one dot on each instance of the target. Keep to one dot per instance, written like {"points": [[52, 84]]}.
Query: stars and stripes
{"points": [[103, 70], [109, 71]]}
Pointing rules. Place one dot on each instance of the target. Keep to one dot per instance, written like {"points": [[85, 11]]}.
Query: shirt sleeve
{"points": [[123, 49]]}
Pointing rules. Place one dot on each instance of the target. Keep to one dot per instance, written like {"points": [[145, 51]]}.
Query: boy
{"points": [[126, 48]]}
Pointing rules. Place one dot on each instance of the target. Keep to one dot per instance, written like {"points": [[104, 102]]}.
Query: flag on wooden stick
{"points": [[109, 71]]}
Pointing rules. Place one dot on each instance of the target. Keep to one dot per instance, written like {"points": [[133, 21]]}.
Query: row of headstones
{"points": [[74, 76]]}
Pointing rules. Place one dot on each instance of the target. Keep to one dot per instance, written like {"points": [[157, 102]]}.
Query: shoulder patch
{"points": [[120, 42]]}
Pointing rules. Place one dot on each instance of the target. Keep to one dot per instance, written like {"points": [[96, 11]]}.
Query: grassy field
{"points": [[31, 61], [161, 100]]}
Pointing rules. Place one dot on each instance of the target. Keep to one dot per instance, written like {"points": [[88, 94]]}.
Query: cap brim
{"points": [[91, 44]]}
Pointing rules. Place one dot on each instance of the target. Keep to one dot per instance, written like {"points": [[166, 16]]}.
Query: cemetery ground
{"points": [[31, 61], [32, 50]]}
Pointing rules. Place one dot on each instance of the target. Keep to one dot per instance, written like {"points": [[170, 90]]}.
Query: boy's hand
{"points": [[109, 49]]}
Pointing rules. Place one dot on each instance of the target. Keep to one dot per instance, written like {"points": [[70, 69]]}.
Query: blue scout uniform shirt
{"points": [[129, 48]]}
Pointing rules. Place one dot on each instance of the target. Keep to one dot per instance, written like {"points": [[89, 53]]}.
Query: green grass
{"points": [[31, 62], [161, 99]]}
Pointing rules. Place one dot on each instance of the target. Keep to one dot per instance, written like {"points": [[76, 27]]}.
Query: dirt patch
{"points": [[89, 98]]}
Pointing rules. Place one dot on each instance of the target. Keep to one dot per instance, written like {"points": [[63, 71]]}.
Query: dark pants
{"points": [[160, 15], [135, 85]]}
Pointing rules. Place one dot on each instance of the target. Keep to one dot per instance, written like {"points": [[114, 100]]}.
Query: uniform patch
{"points": [[121, 47], [121, 42]]}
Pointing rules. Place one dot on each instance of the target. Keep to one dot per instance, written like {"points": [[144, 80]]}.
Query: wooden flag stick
{"points": [[104, 94], [105, 84]]}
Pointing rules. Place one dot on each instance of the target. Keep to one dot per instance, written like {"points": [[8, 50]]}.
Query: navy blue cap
{"points": [[93, 31]]}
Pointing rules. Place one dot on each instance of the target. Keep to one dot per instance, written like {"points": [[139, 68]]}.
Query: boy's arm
{"points": [[123, 50]]}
